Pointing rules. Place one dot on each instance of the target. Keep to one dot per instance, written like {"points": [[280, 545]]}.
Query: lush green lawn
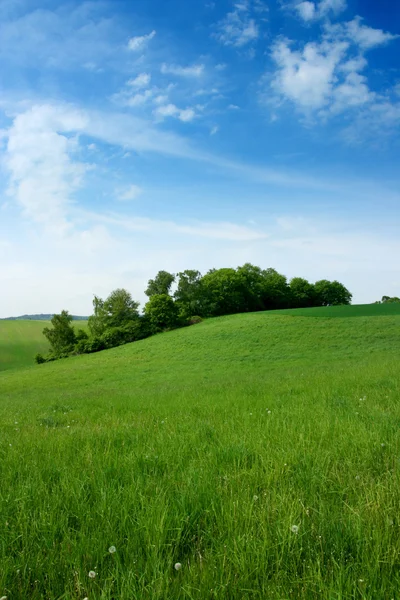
{"points": [[206, 446]]}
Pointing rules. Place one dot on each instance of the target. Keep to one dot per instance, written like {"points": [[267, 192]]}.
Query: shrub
{"points": [[94, 344], [40, 359], [194, 320]]}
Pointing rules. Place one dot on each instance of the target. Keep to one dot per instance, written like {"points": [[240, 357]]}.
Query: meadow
{"points": [[258, 453], [20, 341]]}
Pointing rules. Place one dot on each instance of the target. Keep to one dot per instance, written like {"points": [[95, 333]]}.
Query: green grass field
{"points": [[355, 310], [20, 341], [259, 451]]}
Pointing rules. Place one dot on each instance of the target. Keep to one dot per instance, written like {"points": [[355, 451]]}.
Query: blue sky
{"points": [[137, 136]]}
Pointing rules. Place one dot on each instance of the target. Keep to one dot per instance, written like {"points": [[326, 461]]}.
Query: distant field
{"points": [[356, 310], [259, 451], [21, 340]]}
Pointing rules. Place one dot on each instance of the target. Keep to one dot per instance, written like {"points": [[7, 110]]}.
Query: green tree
{"points": [[253, 281], [120, 309], [162, 311], [160, 285], [389, 299], [275, 290], [331, 293], [223, 292], [62, 336], [302, 293], [97, 321], [188, 295]]}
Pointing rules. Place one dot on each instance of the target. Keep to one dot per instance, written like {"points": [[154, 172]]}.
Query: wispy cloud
{"points": [[128, 193], [238, 28], [141, 81], [217, 230], [139, 42], [170, 110], [190, 71], [311, 11]]}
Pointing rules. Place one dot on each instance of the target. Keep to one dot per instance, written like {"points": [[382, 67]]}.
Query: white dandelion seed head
{"points": [[383, 445], [92, 574], [269, 412], [357, 477], [294, 529], [112, 549], [177, 566], [255, 498], [3, 598]]}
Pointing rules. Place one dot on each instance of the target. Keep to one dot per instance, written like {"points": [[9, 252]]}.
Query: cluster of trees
{"points": [[248, 288], [388, 300]]}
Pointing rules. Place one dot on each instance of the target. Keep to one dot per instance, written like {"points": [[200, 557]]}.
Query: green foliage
{"points": [[389, 299], [223, 292], [160, 285], [204, 447], [39, 359], [62, 336], [188, 295], [97, 321], [116, 320], [162, 312], [120, 309], [194, 320], [275, 290], [302, 293], [331, 293], [81, 335]]}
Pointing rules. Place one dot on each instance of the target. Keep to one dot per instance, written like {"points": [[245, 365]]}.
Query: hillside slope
{"points": [[259, 451], [20, 341]]}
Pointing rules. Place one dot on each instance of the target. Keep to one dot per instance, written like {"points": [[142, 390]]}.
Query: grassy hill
{"points": [[20, 341], [259, 451], [354, 310]]}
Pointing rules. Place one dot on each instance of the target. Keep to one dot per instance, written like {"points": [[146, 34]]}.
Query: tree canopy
{"points": [[248, 288]]}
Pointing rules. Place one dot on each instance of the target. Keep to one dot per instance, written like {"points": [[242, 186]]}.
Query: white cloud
{"points": [[218, 230], [43, 174], [141, 81], [214, 130], [233, 107], [354, 91], [129, 193], [237, 28], [307, 77], [192, 71], [170, 110], [139, 42], [323, 78], [139, 99], [311, 11], [367, 37], [306, 10], [187, 115]]}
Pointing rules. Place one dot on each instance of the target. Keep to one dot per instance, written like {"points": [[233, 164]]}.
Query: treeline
{"points": [[388, 300], [117, 319]]}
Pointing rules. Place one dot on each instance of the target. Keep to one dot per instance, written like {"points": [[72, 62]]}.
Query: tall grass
{"points": [[260, 452]]}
